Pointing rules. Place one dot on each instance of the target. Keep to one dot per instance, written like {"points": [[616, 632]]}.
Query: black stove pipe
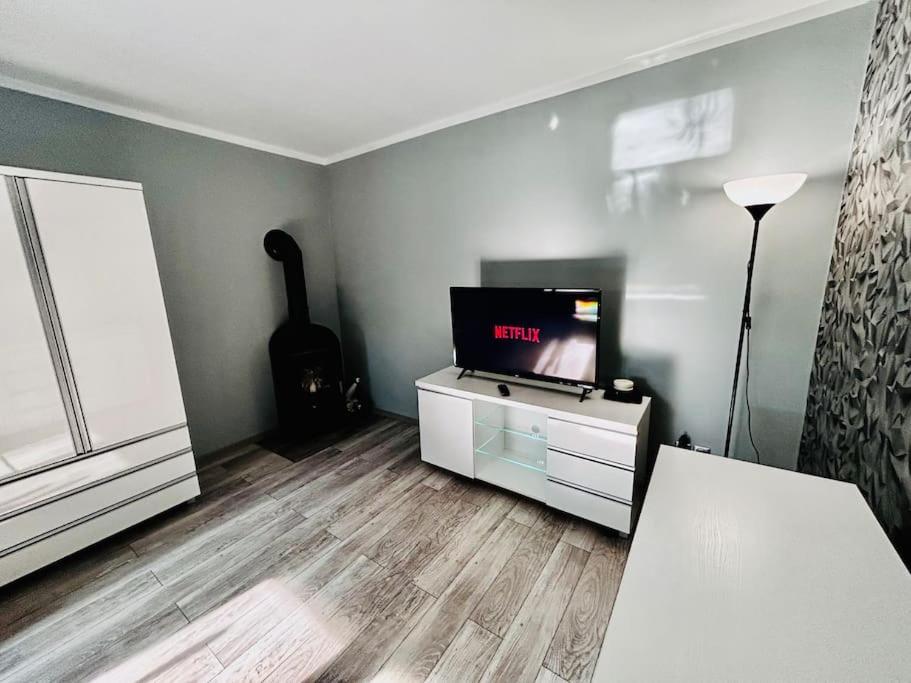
{"points": [[282, 247]]}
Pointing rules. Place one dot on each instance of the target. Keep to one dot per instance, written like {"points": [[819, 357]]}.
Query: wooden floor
{"points": [[357, 562]]}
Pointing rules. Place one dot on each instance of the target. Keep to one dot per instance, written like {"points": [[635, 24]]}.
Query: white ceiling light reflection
{"points": [[554, 122], [678, 130]]}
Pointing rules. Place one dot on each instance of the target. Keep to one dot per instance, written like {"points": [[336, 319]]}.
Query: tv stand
{"points": [[585, 393], [462, 374], [587, 458]]}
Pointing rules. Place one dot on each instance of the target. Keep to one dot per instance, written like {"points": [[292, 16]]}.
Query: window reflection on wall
{"points": [[647, 139], [678, 130], [629, 189]]}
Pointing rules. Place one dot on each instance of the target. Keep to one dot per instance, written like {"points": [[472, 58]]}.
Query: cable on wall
{"points": [[747, 396]]}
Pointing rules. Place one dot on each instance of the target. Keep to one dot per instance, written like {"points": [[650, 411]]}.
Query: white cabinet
{"points": [[33, 425], [92, 427], [585, 458], [102, 269], [446, 432]]}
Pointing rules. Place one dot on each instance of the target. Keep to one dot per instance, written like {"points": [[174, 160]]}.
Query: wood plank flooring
{"points": [[346, 559]]}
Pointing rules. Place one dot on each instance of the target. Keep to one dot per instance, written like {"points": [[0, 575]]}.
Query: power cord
{"points": [[747, 396]]}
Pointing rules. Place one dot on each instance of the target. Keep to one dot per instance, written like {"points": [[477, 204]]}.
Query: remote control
{"points": [[504, 390]]}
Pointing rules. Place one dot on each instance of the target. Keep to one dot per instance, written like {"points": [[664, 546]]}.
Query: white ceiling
{"points": [[324, 81]]}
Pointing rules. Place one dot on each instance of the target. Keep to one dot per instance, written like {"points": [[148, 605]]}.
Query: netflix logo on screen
{"points": [[526, 334], [544, 334]]}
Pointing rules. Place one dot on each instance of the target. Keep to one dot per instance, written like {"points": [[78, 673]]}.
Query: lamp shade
{"points": [[764, 190]]}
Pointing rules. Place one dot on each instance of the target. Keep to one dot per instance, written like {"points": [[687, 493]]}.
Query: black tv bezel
{"points": [[531, 375]]}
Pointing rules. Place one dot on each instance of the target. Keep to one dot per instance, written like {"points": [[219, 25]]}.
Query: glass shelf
{"points": [[533, 436], [508, 451], [525, 460]]}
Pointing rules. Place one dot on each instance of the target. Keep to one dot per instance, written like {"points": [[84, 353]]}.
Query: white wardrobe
{"points": [[93, 434]]}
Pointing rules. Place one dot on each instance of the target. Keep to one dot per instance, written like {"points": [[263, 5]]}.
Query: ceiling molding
{"points": [[638, 62], [156, 119], [634, 63]]}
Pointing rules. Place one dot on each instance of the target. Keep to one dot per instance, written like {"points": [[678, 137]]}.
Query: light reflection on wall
{"points": [[678, 130], [664, 293], [627, 190]]}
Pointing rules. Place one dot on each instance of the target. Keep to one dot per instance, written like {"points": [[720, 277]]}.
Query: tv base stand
{"points": [[585, 393], [462, 374], [587, 458]]}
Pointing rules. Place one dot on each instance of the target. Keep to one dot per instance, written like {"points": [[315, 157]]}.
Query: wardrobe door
{"points": [[102, 270], [34, 431]]}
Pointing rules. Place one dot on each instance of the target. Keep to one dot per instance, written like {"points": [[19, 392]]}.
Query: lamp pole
{"points": [[757, 211], [757, 195]]}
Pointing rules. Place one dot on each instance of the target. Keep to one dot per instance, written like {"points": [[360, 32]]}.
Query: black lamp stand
{"points": [[757, 211]]}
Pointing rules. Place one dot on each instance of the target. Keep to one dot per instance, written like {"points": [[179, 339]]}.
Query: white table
{"points": [[743, 572]]}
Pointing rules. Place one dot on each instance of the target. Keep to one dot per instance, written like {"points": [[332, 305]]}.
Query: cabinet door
{"points": [[102, 270], [446, 432], [34, 431]]}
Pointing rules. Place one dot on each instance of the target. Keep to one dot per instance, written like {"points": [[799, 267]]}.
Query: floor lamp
{"points": [[756, 195]]}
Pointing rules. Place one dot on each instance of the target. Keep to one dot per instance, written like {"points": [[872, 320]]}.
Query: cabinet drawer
{"points": [[601, 477], [589, 506], [601, 444], [64, 511], [21, 494], [71, 539]]}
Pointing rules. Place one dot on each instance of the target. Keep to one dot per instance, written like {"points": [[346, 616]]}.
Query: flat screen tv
{"points": [[543, 334]]}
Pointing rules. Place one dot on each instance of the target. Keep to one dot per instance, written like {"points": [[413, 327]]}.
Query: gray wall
{"points": [[209, 205], [630, 177]]}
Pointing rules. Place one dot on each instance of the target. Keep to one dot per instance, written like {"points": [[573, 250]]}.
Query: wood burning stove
{"points": [[306, 357]]}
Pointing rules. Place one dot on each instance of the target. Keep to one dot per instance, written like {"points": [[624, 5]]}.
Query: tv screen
{"points": [[548, 334]]}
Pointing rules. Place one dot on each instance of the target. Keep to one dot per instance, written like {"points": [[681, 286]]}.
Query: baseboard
{"points": [[396, 416], [225, 453]]}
